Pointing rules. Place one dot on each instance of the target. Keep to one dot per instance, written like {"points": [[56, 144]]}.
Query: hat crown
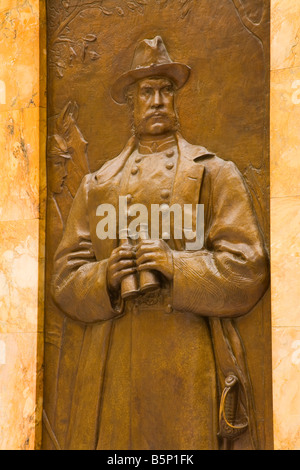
{"points": [[150, 52], [151, 59]]}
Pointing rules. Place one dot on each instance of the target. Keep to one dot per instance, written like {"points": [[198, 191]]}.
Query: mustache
{"points": [[157, 113], [172, 119], [137, 128]]}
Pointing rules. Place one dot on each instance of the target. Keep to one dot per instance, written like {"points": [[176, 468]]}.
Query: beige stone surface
{"points": [[285, 261], [18, 372], [286, 395], [22, 210], [285, 34], [285, 135], [19, 164], [7, 5], [285, 220], [19, 53], [19, 241]]}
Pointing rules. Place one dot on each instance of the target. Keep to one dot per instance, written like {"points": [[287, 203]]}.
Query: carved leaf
{"points": [[185, 12], [84, 48], [133, 6], [72, 55], [106, 11], [120, 11], [59, 72], [163, 3], [94, 55], [65, 4], [90, 38]]}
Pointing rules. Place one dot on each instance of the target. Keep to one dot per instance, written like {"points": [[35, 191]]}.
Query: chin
{"points": [[159, 129], [58, 189], [148, 128]]}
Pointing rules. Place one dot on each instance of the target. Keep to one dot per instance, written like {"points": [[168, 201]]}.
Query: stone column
{"points": [[22, 196], [285, 220]]}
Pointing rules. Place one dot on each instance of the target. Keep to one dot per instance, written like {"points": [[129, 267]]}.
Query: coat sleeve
{"points": [[231, 273], [79, 281]]}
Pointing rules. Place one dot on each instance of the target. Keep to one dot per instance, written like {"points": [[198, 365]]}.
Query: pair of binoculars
{"points": [[135, 284], [145, 281]]}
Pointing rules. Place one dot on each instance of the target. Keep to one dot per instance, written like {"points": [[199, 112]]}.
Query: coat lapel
{"points": [[189, 173], [115, 166], [188, 178]]}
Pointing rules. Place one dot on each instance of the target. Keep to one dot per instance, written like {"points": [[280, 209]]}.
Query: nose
{"points": [[157, 99]]}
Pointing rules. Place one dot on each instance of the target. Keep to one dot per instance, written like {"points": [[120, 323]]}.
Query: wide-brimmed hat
{"points": [[151, 59]]}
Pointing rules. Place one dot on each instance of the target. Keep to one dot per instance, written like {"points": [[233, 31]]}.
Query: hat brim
{"points": [[52, 155], [178, 73]]}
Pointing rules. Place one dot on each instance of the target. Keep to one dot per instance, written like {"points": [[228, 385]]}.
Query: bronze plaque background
{"points": [[223, 107]]}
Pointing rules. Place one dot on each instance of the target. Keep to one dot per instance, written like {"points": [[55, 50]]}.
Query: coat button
{"points": [[131, 211], [170, 153], [165, 194], [164, 208], [170, 165], [129, 198], [154, 147], [138, 159], [134, 170], [169, 308]]}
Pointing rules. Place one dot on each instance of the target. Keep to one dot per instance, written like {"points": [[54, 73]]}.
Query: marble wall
{"points": [[22, 176], [285, 220], [22, 196]]}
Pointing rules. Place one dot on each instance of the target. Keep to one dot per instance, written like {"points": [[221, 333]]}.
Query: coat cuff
{"points": [[178, 281]]}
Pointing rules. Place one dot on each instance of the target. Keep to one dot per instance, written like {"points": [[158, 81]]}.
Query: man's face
{"points": [[58, 172], [153, 107]]}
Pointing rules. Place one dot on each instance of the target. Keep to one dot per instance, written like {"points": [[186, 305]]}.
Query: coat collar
{"points": [[190, 151], [111, 168]]}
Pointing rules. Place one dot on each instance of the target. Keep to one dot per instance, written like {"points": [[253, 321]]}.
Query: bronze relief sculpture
{"points": [[162, 368]]}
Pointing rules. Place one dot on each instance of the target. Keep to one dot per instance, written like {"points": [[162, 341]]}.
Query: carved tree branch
{"points": [[76, 11], [184, 6]]}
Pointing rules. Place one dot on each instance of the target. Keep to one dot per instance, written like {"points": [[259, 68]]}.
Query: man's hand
{"points": [[155, 254], [120, 263]]}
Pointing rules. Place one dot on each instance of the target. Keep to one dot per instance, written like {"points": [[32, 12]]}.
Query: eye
{"points": [[168, 89], [147, 91]]}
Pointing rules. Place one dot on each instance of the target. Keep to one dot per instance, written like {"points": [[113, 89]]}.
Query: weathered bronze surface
{"points": [[149, 345]]}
